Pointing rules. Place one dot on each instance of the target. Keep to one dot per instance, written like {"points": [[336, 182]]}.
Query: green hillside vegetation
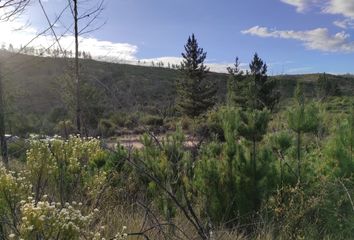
{"points": [[38, 90], [273, 161], [284, 175]]}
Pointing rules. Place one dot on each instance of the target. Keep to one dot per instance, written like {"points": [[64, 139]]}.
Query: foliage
{"points": [[196, 94], [62, 166], [165, 162], [151, 120], [45, 220], [340, 147], [236, 172], [65, 128], [35, 95], [326, 88], [236, 86], [28, 206], [17, 149], [228, 183], [302, 118], [106, 128], [320, 211], [262, 91]]}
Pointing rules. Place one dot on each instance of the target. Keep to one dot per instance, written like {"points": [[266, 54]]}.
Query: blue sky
{"points": [[292, 36]]}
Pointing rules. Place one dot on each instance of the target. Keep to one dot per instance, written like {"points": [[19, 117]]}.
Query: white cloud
{"points": [[19, 34], [341, 7], [98, 48], [214, 67], [165, 60], [345, 24], [301, 5], [344, 8], [316, 39]]}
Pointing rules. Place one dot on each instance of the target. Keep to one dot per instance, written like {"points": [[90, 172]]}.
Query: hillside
{"points": [[35, 86], [33, 81]]}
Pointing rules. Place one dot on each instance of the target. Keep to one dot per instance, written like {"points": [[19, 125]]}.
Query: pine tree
{"points": [[253, 127], [302, 118], [262, 90], [236, 86], [196, 94]]}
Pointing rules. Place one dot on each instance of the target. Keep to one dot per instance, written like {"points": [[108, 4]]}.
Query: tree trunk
{"points": [[77, 72], [281, 159], [299, 156], [254, 163], [3, 143]]}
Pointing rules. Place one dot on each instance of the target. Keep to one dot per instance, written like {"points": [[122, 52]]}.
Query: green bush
{"points": [[17, 149], [106, 128], [323, 210], [152, 120]]}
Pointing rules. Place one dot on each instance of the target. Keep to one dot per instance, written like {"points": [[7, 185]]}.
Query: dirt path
{"points": [[133, 141]]}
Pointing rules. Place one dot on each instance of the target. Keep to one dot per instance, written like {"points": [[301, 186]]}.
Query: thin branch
{"points": [[348, 194], [50, 25]]}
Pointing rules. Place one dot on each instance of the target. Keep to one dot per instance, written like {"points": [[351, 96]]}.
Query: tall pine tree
{"points": [[262, 90], [259, 96], [196, 94]]}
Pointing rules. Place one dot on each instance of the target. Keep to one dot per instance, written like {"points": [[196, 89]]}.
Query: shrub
{"points": [[323, 210], [152, 120], [106, 128], [17, 149], [63, 166]]}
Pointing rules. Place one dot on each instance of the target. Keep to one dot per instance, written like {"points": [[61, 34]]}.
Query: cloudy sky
{"points": [[292, 36]]}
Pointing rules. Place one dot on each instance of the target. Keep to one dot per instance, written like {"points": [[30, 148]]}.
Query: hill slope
{"points": [[35, 85]]}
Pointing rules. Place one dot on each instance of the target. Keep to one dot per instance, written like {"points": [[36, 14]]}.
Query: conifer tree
{"points": [[253, 127], [262, 90], [236, 86], [196, 94], [302, 118]]}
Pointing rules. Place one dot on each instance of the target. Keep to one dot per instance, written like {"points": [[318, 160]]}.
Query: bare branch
{"points": [[12, 8], [50, 25]]}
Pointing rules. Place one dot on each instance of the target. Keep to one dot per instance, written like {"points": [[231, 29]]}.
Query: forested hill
{"points": [[36, 84]]}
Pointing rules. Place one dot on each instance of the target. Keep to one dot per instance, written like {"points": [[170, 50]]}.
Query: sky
{"points": [[291, 36]]}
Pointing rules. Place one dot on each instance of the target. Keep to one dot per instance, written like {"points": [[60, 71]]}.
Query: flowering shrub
{"points": [[49, 220], [34, 204], [77, 151], [13, 188], [45, 220], [62, 166], [33, 219], [94, 184], [41, 166]]}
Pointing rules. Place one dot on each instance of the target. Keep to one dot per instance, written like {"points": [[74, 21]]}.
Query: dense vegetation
{"points": [[261, 158], [165, 191]]}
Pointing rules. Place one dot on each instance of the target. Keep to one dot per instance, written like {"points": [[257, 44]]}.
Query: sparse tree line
{"points": [[46, 52]]}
